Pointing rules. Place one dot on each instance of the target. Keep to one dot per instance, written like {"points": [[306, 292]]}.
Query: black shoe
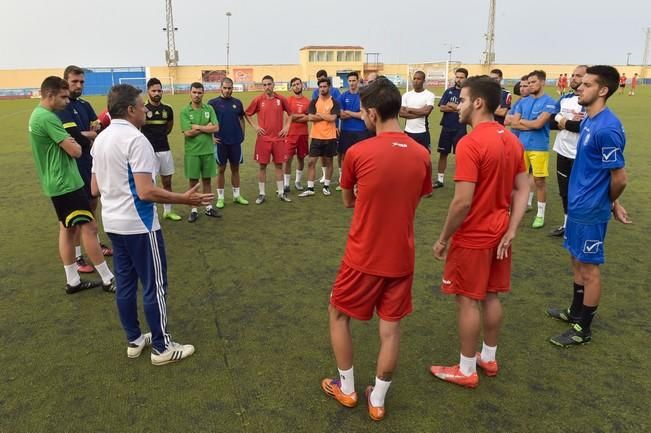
{"points": [[572, 337], [437, 185], [83, 285], [557, 232], [286, 189], [212, 212], [110, 287], [562, 314], [193, 217]]}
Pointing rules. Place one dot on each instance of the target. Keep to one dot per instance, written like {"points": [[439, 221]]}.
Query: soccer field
{"points": [[251, 293]]}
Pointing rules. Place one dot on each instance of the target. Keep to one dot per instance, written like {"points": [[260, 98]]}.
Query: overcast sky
{"points": [[46, 33]]}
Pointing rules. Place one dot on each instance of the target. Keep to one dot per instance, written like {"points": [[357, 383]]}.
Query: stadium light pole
{"points": [[448, 62], [628, 59], [228, 43]]}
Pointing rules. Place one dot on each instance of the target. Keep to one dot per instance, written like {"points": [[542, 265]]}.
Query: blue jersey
{"points": [[229, 114], [334, 92], [451, 120], [600, 149], [350, 102], [76, 118], [531, 108]]}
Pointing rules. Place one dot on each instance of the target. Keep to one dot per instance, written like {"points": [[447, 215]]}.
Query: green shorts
{"points": [[200, 166]]}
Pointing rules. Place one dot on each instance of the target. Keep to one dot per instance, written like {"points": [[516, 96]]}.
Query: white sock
{"points": [[299, 175], [323, 170], [488, 352], [78, 251], [541, 209], [287, 178], [209, 207], [339, 176], [167, 208], [347, 381], [261, 188], [220, 193], [440, 177], [565, 221], [72, 274], [530, 202], [279, 187], [326, 182], [310, 184], [467, 365], [379, 392], [236, 192], [104, 272], [194, 209]]}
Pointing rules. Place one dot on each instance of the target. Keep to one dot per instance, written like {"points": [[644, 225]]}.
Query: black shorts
{"points": [[73, 208], [449, 138], [327, 148], [622, 85], [348, 138], [422, 138]]}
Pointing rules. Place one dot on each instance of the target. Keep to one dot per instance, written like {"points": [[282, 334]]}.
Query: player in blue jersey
{"points": [[451, 129], [352, 126], [228, 140], [598, 179], [532, 119]]}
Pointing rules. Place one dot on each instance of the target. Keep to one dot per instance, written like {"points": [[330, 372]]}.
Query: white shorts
{"points": [[165, 163]]}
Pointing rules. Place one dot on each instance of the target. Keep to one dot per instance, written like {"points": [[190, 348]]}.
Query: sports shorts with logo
{"points": [[449, 138], [73, 208], [297, 145], [538, 160], [266, 148], [231, 153], [585, 242], [321, 147], [358, 295], [200, 166]]}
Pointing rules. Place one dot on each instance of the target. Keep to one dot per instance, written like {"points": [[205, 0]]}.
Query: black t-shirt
{"points": [[155, 127]]}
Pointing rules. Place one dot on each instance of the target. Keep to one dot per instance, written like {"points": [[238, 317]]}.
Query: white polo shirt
{"points": [[565, 143], [118, 152], [414, 99]]}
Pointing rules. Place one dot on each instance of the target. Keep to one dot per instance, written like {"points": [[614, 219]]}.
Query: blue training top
{"points": [[451, 120], [351, 102], [530, 108], [229, 113]]}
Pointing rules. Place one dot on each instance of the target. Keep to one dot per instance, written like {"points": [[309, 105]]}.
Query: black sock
{"points": [[587, 314], [577, 300]]}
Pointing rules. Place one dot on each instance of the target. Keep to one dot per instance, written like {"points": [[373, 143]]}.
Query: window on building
{"points": [[312, 56]]}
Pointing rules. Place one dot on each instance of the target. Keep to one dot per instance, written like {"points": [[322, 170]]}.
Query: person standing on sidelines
{"points": [[228, 140], [505, 98], [271, 132], [352, 127], [297, 134], [597, 181], [376, 272], [54, 152], [198, 124], [633, 85], [451, 130], [417, 104], [532, 119], [489, 202], [568, 122], [124, 172], [622, 83], [158, 125]]}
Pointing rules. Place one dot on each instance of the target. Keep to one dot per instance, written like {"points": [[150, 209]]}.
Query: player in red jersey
{"points": [[269, 108], [633, 85], [377, 269], [490, 198], [297, 134], [622, 84]]}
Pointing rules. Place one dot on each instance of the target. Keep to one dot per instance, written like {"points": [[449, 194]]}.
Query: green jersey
{"points": [[56, 169], [201, 144]]}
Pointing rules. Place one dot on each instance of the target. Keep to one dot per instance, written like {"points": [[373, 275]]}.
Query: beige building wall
{"points": [[26, 78]]}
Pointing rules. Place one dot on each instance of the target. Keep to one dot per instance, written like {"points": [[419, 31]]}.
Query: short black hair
{"points": [[497, 72], [524, 77], [153, 82], [541, 75], [607, 76], [383, 96], [291, 82], [53, 84], [324, 80], [120, 98], [268, 77], [421, 73], [321, 73], [226, 79], [354, 74], [196, 85], [464, 71], [486, 88], [72, 69]]}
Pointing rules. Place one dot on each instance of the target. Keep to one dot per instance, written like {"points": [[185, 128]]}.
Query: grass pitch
{"points": [[251, 293]]}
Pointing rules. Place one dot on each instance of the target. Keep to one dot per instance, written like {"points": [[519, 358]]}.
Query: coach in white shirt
{"points": [[417, 104], [123, 176]]}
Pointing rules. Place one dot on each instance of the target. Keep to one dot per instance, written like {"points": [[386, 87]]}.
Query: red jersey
{"points": [[392, 172], [270, 114], [490, 157], [634, 81], [104, 118], [622, 80], [298, 105]]}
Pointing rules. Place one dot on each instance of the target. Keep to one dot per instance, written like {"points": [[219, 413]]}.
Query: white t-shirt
{"points": [[565, 143], [414, 99], [118, 152]]}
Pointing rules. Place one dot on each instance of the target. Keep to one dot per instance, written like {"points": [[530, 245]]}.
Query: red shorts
{"points": [[265, 149], [297, 145], [473, 273], [357, 295]]}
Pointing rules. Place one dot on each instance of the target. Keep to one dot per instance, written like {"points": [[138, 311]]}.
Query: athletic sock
{"points": [[236, 192], [379, 392], [77, 251], [220, 193], [467, 365], [530, 202], [310, 184], [440, 177], [339, 179], [72, 274], [488, 352], [587, 314], [347, 378], [104, 272], [541, 209], [261, 188], [167, 208], [194, 209], [287, 178], [323, 171], [565, 221], [280, 187], [577, 300], [208, 208], [299, 175], [326, 182]]}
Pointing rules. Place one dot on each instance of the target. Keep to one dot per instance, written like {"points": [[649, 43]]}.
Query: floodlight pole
{"points": [[628, 59], [228, 42], [448, 62]]}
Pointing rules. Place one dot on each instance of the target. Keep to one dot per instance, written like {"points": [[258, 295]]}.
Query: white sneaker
{"points": [[326, 190], [261, 199], [298, 186], [174, 353], [306, 193], [322, 180], [134, 350]]}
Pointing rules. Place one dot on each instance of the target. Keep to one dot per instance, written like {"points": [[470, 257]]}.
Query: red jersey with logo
{"points": [[270, 114], [622, 80], [392, 172], [298, 105], [490, 157]]}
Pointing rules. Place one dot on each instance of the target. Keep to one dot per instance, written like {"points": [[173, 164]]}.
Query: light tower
{"points": [[489, 52], [171, 54], [645, 55], [228, 43]]}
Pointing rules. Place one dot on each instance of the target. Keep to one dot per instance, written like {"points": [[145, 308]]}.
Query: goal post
{"points": [[437, 74]]}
